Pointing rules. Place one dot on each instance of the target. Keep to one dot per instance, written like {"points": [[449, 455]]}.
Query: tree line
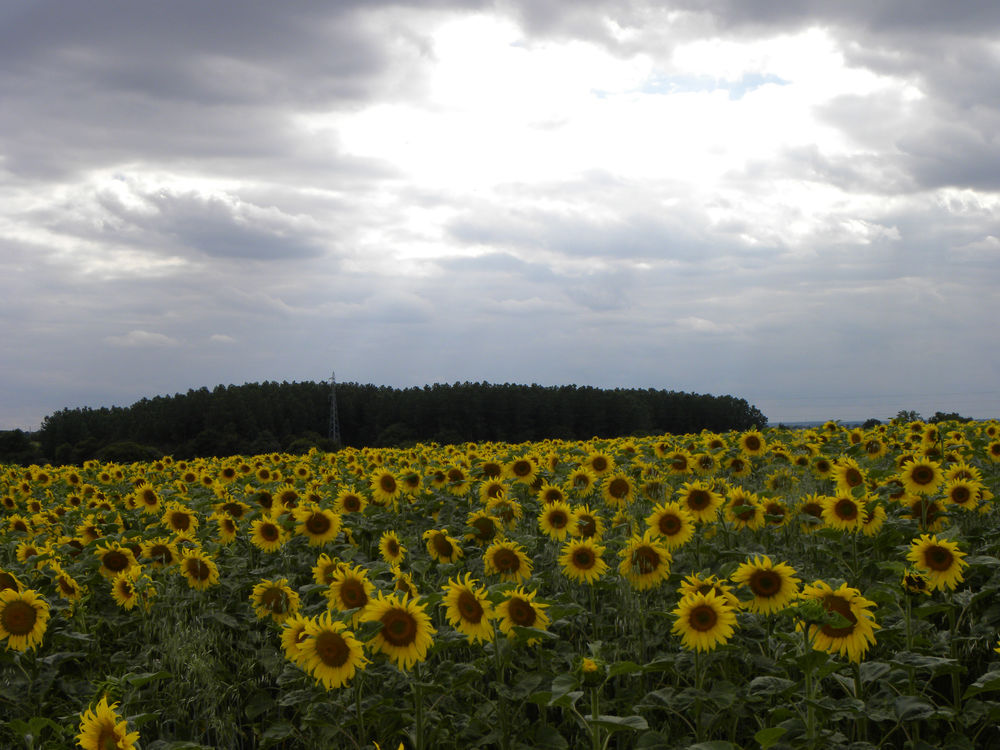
{"points": [[266, 417]]}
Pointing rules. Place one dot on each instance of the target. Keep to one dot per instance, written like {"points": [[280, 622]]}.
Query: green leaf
{"points": [[565, 682], [769, 685], [527, 634], [548, 738], [652, 741], [623, 667], [138, 679], [618, 723], [713, 745], [873, 670], [937, 665], [769, 737], [913, 708], [989, 681]]}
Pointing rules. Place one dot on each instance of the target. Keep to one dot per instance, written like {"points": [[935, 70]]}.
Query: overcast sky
{"points": [[796, 203]]}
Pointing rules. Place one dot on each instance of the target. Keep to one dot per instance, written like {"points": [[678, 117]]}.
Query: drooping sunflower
{"points": [[645, 562], [274, 599], [507, 559], [554, 519], [324, 569], [123, 589], [391, 548], [350, 589], [844, 512], [810, 512], [875, 515], [700, 500], [318, 525], [582, 560], [520, 609], [586, 523], [199, 569], [101, 728], [406, 632], [267, 534], [329, 651], [468, 609], [66, 586], [850, 640], [928, 513], [617, 489], [403, 583], [442, 547], [226, 528], [774, 586], [24, 617], [939, 559], [921, 476], [915, 582], [704, 621], [293, 632], [673, 523], [508, 510]]}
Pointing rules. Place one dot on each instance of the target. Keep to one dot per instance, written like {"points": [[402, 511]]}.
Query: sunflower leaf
{"points": [[988, 682], [618, 723]]}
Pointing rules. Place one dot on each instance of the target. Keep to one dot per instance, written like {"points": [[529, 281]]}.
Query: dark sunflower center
{"points": [[960, 494], [873, 446], [180, 521], [318, 524], [552, 495], [506, 560], [198, 569], [149, 497], [584, 559], [737, 465], [646, 560], [846, 509], [521, 612], [352, 503], [65, 586], [823, 466], [19, 618], [115, 561], [833, 603], [492, 470], [442, 546], [391, 547], [275, 601], [922, 475], [522, 468], [853, 477], [387, 483], [353, 594], [233, 509], [126, 590], [698, 499], [744, 511], [470, 608], [581, 481], [765, 583], [485, 529], [599, 463], [587, 525], [679, 463], [813, 509], [618, 488], [558, 519], [269, 532], [399, 628], [455, 475], [669, 524], [161, 553], [938, 558], [702, 618], [332, 649], [751, 443]]}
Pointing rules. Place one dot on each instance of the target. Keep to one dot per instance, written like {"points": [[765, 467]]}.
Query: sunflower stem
{"points": [[956, 683], [501, 702], [362, 738], [862, 725], [418, 706], [699, 681], [595, 715], [810, 709]]}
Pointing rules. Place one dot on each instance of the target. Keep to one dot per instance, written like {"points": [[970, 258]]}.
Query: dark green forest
{"points": [[266, 417]]}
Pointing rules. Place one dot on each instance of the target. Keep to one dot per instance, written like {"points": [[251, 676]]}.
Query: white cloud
{"points": [[142, 339]]}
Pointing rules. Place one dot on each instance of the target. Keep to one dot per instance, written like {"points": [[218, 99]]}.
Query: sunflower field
{"points": [[826, 588]]}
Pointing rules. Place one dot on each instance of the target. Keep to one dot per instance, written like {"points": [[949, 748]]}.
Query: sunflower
{"points": [[700, 501], [848, 475], [327, 650], [101, 728], [551, 493], [115, 558], [752, 443], [350, 589], [875, 515], [554, 519], [645, 562], [773, 586], [581, 560], [523, 470], [318, 525], [267, 534], [293, 632], [403, 583], [442, 547], [939, 559], [199, 569], [391, 548], [349, 502], [275, 599], [468, 609], [672, 522], [599, 463], [993, 451], [507, 559], [508, 511], [929, 514], [586, 523], [704, 621], [704, 463], [822, 467], [24, 617], [810, 512], [179, 519], [744, 510], [617, 490], [123, 589], [386, 487], [147, 498], [963, 493], [324, 569], [679, 462], [851, 637], [484, 528], [874, 447], [520, 609], [921, 476], [915, 582], [844, 512], [695, 584], [66, 586], [226, 527], [581, 482], [406, 631]]}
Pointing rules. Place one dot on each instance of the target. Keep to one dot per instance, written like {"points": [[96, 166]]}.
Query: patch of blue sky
{"points": [[681, 84]]}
